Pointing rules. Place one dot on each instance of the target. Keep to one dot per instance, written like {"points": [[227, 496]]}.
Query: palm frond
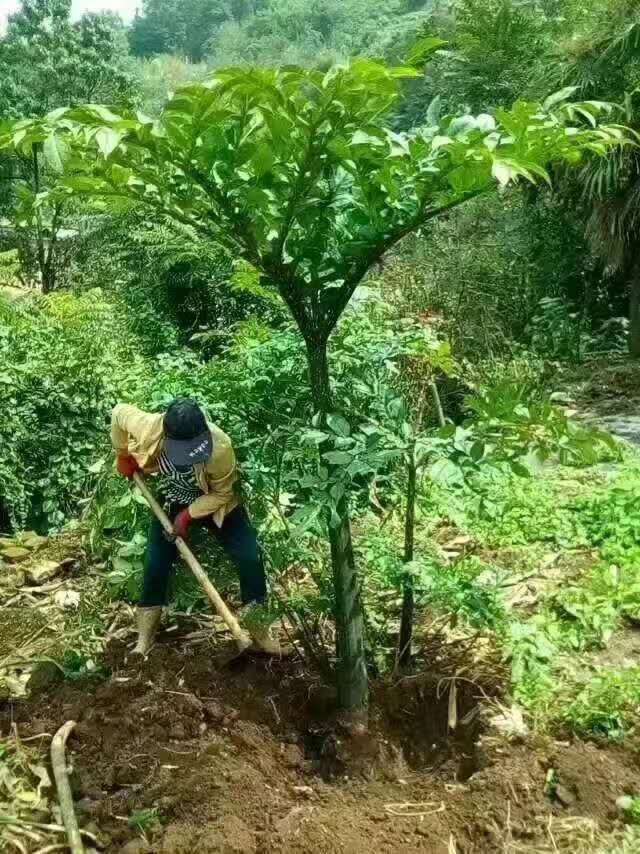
{"points": [[603, 177], [592, 59], [621, 47], [613, 227], [601, 234]]}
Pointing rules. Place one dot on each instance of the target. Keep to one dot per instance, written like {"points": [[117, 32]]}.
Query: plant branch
{"points": [[344, 294]]}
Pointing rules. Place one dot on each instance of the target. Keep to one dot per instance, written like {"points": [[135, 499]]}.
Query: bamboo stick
{"points": [[61, 774]]}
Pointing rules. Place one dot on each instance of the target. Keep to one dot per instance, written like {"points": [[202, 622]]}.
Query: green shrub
{"points": [[9, 267], [503, 509], [65, 361], [458, 590], [531, 650], [632, 812], [484, 270], [605, 707], [177, 288], [611, 517]]}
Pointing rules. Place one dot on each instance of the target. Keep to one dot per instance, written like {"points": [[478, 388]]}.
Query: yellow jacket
{"points": [[141, 434]]}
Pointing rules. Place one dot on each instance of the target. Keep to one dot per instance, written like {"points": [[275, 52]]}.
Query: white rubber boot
{"points": [[265, 640], [255, 619], [147, 620]]}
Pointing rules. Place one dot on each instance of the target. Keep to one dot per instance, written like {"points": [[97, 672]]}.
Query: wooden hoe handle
{"points": [[240, 636]]}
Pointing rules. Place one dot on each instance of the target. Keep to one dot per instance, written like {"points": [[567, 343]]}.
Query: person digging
{"points": [[197, 476]]}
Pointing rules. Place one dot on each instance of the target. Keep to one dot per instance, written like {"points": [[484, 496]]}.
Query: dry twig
{"points": [[61, 774], [414, 809]]}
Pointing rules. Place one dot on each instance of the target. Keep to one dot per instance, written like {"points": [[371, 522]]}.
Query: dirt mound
{"points": [[248, 759]]}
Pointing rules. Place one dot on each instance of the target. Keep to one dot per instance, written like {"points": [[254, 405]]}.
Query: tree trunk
{"points": [[48, 278], [406, 620], [49, 273], [634, 311], [45, 277], [353, 691], [442, 422]]}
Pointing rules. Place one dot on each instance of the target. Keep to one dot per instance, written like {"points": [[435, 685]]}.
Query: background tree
{"points": [[182, 27], [46, 61], [492, 54], [272, 31], [498, 45], [506, 268], [601, 58]]}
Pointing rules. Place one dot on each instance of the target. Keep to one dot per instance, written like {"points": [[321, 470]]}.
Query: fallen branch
{"points": [[49, 848], [61, 774], [413, 810], [50, 828]]}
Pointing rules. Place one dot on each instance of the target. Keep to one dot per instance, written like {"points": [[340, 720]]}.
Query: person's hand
{"points": [[181, 524], [127, 465]]}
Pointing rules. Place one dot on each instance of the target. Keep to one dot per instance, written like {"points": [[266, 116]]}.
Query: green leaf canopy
{"points": [[298, 173]]}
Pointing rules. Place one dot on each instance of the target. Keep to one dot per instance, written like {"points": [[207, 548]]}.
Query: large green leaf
{"points": [[102, 113], [338, 458], [424, 49], [558, 97], [507, 171], [471, 177], [55, 151], [263, 160], [108, 140], [339, 425], [86, 185], [405, 72], [446, 472]]}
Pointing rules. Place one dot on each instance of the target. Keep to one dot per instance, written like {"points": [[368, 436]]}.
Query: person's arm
{"points": [[121, 421], [221, 483], [128, 422]]}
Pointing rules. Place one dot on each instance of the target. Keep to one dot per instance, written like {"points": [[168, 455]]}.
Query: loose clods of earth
{"points": [[14, 554], [11, 576], [31, 540], [44, 571]]}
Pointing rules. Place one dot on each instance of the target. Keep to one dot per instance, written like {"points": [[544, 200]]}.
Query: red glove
{"points": [[181, 524], [127, 465]]}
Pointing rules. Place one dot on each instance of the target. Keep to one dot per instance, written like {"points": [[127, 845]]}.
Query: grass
{"points": [[632, 812], [502, 509], [145, 820], [606, 707], [590, 526]]}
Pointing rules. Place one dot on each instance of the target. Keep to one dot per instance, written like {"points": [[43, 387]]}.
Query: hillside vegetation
{"points": [[391, 250]]}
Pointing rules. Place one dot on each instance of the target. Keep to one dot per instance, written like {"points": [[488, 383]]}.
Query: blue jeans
{"points": [[238, 538]]}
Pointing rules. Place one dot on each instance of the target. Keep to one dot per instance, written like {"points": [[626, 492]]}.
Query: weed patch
{"points": [[605, 707]]}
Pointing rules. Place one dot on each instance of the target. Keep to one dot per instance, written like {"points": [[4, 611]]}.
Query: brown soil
{"points": [[610, 385], [621, 651], [248, 758]]}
